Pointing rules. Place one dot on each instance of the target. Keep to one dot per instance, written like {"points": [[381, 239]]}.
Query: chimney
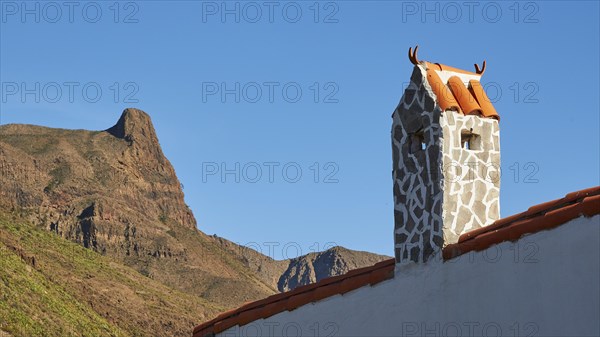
{"points": [[446, 160]]}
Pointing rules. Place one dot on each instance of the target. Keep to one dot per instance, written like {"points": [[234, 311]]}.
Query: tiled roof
{"points": [[291, 300], [537, 218], [457, 89]]}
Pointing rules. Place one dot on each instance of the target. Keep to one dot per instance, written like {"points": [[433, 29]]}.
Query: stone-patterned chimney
{"points": [[446, 157]]}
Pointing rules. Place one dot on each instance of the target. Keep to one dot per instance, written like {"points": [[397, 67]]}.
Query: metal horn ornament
{"points": [[478, 70], [413, 56]]}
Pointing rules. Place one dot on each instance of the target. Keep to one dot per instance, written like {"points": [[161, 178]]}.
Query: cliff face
{"points": [[114, 193]]}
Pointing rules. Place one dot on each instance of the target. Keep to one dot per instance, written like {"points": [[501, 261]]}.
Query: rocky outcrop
{"points": [[120, 177], [314, 267]]}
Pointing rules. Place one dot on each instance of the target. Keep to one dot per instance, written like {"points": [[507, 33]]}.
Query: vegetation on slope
{"points": [[52, 287]]}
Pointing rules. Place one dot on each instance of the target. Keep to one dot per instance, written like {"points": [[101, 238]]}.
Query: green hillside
{"points": [[52, 287]]}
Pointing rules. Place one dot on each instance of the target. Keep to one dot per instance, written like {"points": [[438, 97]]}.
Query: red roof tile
{"points": [[484, 102], [298, 297], [468, 103], [454, 94], [537, 218], [444, 96]]}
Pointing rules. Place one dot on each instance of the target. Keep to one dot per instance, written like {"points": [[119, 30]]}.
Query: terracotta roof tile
{"points": [[468, 103], [300, 296], [487, 108], [497, 224], [327, 291], [444, 96], [455, 95], [590, 205], [249, 316], [272, 309], [537, 218], [380, 275], [299, 300], [204, 333], [353, 283], [582, 193]]}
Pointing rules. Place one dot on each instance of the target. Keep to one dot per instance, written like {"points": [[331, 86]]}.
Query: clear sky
{"points": [[280, 86]]}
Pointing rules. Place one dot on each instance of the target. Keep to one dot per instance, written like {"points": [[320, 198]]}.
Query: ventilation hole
{"points": [[417, 142], [470, 141]]}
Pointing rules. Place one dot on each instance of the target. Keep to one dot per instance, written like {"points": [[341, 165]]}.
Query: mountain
{"points": [[314, 267], [115, 196], [285, 275], [115, 193]]}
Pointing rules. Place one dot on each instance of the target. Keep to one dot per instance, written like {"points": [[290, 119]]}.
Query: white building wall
{"points": [[545, 284]]}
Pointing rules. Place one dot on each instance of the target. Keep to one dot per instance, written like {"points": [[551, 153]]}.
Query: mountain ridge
{"points": [[115, 193]]}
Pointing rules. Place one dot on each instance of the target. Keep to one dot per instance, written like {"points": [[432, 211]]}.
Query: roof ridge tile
{"points": [[540, 217], [468, 103]]}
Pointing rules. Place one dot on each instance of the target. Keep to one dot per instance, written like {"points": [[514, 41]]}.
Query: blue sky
{"points": [[288, 86]]}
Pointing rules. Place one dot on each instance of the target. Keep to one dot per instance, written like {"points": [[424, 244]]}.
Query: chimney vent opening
{"points": [[417, 142], [470, 141]]}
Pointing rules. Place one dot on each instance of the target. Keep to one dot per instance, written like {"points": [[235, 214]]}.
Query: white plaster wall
{"points": [[545, 284], [465, 78]]}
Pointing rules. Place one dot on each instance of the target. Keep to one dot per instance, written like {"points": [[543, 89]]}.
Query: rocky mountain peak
{"points": [[135, 127], [133, 124]]}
